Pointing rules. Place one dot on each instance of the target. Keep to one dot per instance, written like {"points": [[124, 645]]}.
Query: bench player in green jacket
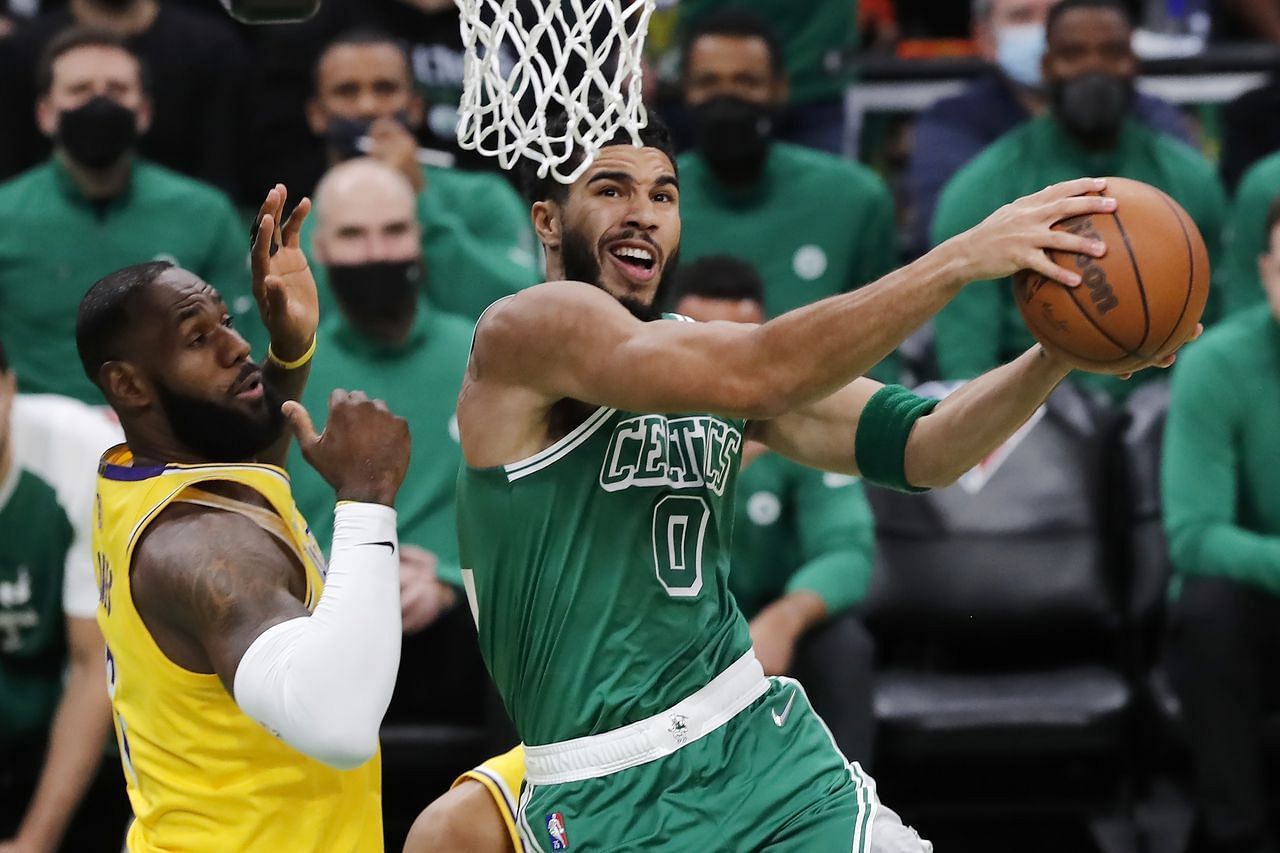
{"points": [[595, 510]]}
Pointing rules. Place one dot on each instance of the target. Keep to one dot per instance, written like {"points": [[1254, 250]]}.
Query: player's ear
{"points": [[546, 223], [124, 386]]}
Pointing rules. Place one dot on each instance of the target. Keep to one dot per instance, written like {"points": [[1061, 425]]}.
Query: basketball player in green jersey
{"points": [[595, 510]]}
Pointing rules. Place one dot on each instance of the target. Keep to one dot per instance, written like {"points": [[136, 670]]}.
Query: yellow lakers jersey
{"points": [[202, 775], [502, 776]]}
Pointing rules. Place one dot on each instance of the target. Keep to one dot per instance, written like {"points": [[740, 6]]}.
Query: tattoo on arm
{"points": [[207, 583]]}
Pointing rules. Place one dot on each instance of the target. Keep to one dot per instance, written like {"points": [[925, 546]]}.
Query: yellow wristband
{"points": [[292, 365]]}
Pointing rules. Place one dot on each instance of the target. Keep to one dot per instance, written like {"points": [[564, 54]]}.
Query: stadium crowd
{"points": [[138, 130]]}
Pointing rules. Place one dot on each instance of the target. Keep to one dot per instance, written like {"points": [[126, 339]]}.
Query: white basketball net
{"points": [[529, 60]]}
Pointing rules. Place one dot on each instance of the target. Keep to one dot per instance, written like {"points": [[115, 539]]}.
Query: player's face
{"points": [[209, 391], [88, 72], [731, 66], [1090, 41], [364, 82], [620, 226], [707, 310]]}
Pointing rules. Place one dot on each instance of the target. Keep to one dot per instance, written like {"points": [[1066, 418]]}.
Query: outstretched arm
{"points": [[959, 433], [567, 340], [287, 301]]}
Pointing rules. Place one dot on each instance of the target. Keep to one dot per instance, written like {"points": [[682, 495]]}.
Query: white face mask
{"points": [[1019, 51]]}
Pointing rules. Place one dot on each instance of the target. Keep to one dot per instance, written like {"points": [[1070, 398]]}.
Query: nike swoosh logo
{"points": [[780, 720], [390, 545]]}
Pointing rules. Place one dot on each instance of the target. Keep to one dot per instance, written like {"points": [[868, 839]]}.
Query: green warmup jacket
{"points": [[819, 38], [477, 243], [982, 327], [419, 381], [813, 226], [55, 243], [1221, 457], [800, 529], [1247, 233]]}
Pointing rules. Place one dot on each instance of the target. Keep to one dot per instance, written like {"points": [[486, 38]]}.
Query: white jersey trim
{"points": [[561, 448], [61, 440]]}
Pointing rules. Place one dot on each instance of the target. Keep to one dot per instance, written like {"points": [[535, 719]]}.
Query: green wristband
{"points": [[880, 447]]}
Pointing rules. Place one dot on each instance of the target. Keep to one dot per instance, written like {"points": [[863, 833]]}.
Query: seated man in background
{"points": [[802, 556], [1248, 237], [385, 338], [197, 63], [1009, 34], [1222, 517], [803, 545], [475, 228], [818, 41], [95, 206], [811, 224], [1089, 70], [54, 712]]}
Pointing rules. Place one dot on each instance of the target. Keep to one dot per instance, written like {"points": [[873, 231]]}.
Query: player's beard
{"points": [[582, 264], [219, 432]]}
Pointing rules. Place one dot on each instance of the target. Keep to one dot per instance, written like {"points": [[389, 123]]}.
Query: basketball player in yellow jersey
{"points": [[247, 683]]}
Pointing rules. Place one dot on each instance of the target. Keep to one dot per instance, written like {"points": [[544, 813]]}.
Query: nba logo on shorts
{"points": [[555, 828]]}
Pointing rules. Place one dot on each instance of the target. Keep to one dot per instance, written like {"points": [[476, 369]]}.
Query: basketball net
{"points": [[528, 61]]}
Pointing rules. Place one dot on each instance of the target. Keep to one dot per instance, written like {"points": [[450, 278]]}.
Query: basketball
{"points": [[1137, 304]]}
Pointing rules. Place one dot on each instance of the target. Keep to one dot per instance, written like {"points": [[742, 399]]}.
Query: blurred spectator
{"points": [[94, 206], [1248, 235], [816, 41], [1222, 518], [1089, 72], [476, 231], [1010, 35], [1248, 19], [195, 64], [386, 341], [811, 224], [803, 545], [54, 713], [1250, 132]]}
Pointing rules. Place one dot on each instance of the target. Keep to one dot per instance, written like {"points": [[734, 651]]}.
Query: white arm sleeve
{"points": [[322, 683]]}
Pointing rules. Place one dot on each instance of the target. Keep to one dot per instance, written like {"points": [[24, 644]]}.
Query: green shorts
{"points": [[771, 778]]}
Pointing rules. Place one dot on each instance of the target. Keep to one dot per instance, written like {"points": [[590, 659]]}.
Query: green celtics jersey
{"points": [[598, 570], [36, 534]]}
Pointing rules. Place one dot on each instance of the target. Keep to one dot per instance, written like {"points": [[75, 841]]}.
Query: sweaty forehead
{"points": [[177, 293], [642, 164]]}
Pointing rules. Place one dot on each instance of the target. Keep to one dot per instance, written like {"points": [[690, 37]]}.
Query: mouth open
{"points": [[249, 387], [636, 261]]}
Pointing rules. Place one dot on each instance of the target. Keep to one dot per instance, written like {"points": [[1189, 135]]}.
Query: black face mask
{"points": [[377, 295], [98, 133], [343, 134], [1092, 108], [220, 432], [733, 135]]}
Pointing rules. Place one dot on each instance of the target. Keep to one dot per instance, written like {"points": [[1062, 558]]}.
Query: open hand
{"points": [[1017, 235], [283, 285]]}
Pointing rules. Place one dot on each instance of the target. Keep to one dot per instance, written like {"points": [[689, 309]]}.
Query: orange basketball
{"points": [[1138, 303]]}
